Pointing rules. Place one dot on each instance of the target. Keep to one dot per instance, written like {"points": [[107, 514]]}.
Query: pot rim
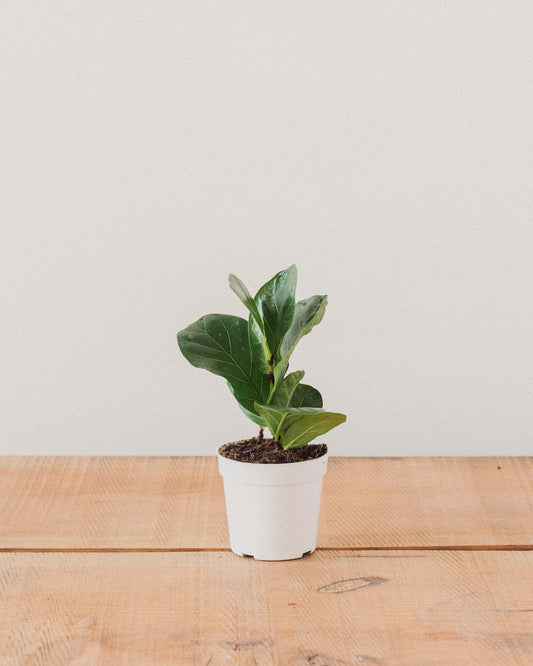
{"points": [[272, 474], [324, 456]]}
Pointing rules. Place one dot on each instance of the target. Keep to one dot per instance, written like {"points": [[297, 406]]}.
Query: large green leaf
{"points": [[305, 427], [291, 393], [285, 389], [260, 350], [275, 303], [253, 417], [244, 295], [307, 314], [293, 427], [306, 396], [221, 344]]}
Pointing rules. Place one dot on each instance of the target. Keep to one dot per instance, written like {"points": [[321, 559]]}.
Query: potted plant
{"points": [[272, 486]]}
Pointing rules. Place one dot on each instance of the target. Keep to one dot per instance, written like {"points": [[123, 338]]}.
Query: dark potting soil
{"points": [[260, 450]]}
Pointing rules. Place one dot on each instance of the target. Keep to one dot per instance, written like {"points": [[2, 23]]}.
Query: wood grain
{"points": [[177, 503], [332, 608], [171, 593]]}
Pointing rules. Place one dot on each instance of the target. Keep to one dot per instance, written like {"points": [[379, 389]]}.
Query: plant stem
{"points": [[271, 379]]}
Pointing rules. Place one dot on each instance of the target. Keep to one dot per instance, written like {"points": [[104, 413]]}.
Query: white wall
{"points": [[151, 148]]}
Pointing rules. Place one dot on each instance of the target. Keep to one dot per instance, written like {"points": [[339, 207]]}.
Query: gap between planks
{"points": [[497, 547]]}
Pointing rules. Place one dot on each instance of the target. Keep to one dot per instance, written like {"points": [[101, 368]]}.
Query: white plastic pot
{"points": [[272, 509]]}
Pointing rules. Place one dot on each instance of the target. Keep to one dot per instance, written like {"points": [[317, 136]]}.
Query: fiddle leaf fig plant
{"points": [[253, 356]]}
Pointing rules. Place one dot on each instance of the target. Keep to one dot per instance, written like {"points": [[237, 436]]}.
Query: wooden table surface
{"points": [[125, 561]]}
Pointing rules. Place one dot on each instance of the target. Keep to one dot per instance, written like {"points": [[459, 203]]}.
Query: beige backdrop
{"points": [[151, 148]]}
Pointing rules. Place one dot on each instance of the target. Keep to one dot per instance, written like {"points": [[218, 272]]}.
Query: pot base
{"points": [[261, 556]]}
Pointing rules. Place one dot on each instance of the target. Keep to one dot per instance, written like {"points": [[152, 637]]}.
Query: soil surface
{"points": [[261, 450]]}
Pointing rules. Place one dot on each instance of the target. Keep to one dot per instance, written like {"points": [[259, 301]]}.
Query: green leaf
{"points": [[306, 396], [256, 327], [291, 393], [285, 389], [242, 292], [307, 314], [221, 344], [275, 303], [253, 417], [304, 428], [273, 416], [293, 427], [258, 343]]}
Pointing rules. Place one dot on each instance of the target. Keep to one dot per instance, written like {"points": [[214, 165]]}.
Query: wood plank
{"points": [[108, 502], [428, 502], [332, 608], [177, 503]]}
